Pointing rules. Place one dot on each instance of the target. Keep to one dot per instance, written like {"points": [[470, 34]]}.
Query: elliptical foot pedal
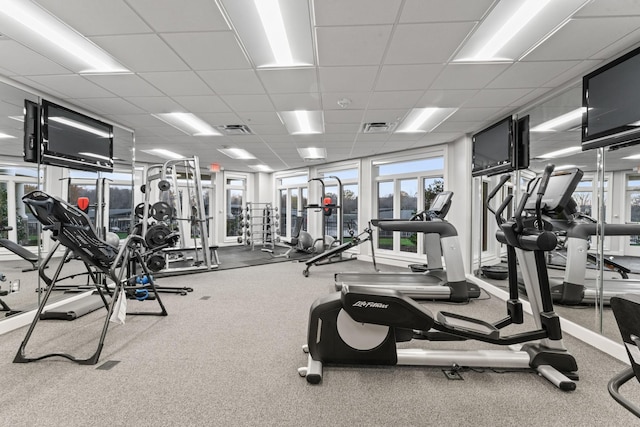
{"points": [[466, 324]]}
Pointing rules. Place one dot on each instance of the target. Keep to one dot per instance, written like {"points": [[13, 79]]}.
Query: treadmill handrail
{"points": [[443, 228]]}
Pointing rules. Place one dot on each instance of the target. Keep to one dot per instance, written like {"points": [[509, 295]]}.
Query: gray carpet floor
{"points": [[228, 352]]}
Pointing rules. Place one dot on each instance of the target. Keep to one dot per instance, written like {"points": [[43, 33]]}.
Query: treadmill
{"points": [[560, 210], [441, 241]]}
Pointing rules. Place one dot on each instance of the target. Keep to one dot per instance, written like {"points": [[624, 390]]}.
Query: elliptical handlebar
{"points": [[498, 212]]}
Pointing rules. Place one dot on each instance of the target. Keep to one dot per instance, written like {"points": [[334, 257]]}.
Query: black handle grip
{"points": [[544, 181], [503, 179], [502, 207]]}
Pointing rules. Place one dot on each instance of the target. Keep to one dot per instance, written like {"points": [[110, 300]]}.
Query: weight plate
{"points": [[161, 211], [156, 235], [139, 210], [156, 263], [164, 185]]}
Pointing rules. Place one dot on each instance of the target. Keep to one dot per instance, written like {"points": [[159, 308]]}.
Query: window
{"points": [[345, 216], [293, 197], [235, 192], [405, 188]]}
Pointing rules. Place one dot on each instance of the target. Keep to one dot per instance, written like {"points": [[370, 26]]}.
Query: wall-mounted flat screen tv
{"points": [[493, 149], [74, 140], [611, 103]]}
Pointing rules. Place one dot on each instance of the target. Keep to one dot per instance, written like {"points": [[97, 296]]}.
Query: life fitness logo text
{"points": [[369, 304]]}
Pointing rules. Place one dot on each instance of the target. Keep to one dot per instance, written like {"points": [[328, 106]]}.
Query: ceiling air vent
{"points": [[378, 127], [234, 130]]}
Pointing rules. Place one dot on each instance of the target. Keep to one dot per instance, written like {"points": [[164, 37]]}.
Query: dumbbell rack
{"points": [[258, 226]]}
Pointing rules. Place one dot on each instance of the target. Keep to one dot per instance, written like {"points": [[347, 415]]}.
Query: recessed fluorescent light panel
{"points": [[188, 123], [301, 122], [632, 157], [261, 168], [165, 154], [560, 153], [312, 154], [32, 26], [236, 153], [561, 123], [275, 33], [514, 28], [424, 119]]}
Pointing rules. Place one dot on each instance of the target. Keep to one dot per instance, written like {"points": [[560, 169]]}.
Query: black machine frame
{"points": [[72, 229]]}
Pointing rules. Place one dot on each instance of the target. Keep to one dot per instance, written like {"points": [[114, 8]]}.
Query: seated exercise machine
{"points": [[72, 229], [19, 250], [361, 325], [626, 309], [441, 241], [560, 210]]}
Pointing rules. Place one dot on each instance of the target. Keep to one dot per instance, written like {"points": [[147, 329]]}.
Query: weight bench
{"points": [[71, 228]]}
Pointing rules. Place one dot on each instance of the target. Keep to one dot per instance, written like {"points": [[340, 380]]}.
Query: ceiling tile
{"points": [[25, 62], [531, 74], [384, 116], [72, 86], [363, 45], [296, 101], [610, 8], [141, 52], [225, 82], [178, 83], [258, 118], [473, 114], [289, 81], [208, 51], [352, 79], [394, 99], [444, 10], [203, 104], [426, 43], [343, 116], [350, 100], [452, 98], [124, 85], [407, 77], [243, 103], [97, 17], [156, 104], [467, 76], [580, 39], [175, 16], [496, 97], [356, 12], [109, 105]]}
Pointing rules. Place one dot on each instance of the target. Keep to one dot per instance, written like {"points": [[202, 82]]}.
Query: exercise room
{"points": [[320, 212]]}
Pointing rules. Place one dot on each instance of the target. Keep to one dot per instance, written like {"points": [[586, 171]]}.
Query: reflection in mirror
{"points": [[20, 247], [556, 138]]}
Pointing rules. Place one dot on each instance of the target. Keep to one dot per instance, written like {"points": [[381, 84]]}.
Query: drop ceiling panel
{"points": [[109, 106], [261, 118], [203, 104], [468, 76], [97, 17], [225, 82], [341, 128], [363, 45], [407, 77], [141, 52], [140, 121], [177, 16], [444, 10], [356, 12], [22, 61], [155, 104], [289, 81], [580, 39], [72, 86], [350, 100], [125, 85], [178, 83], [268, 129], [352, 79], [208, 51], [474, 114], [496, 97], [426, 43], [610, 8], [451, 98], [343, 116], [248, 102], [297, 101], [394, 99], [531, 74], [384, 116]]}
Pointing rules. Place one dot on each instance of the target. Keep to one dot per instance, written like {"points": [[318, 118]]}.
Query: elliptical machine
{"points": [[362, 325]]}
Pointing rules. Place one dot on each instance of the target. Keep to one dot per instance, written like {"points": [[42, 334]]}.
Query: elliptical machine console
{"points": [[361, 325]]}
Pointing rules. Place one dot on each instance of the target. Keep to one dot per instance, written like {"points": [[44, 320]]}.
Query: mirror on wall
{"points": [[602, 267], [22, 245]]}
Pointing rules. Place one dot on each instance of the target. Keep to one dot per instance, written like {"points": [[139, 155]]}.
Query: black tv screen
{"points": [[493, 149], [611, 103], [71, 139]]}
